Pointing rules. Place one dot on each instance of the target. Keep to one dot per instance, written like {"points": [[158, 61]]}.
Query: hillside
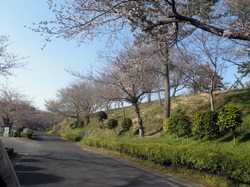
{"points": [[152, 113], [235, 156]]}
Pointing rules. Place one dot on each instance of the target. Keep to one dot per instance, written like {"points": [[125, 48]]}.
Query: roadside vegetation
{"points": [[20, 132], [211, 159]]}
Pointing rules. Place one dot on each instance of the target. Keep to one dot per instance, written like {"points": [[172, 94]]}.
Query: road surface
{"points": [[52, 162]]}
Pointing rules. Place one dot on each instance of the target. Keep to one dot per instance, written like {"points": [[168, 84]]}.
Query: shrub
{"points": [[55, 132], [73, 137], [20, 129], [178, 124], [28, 135], [228, 119], [198, 125], [101, 116], [210, 119], [126, 124], [169, 125], [184, 124], [14, 134], [76, 124], [112, 123], [81, 124]]}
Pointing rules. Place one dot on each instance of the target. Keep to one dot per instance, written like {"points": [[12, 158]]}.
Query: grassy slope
{"points": [[152, 121]]}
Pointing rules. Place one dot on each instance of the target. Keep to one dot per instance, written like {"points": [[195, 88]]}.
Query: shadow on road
{"points": [[30, 178]]}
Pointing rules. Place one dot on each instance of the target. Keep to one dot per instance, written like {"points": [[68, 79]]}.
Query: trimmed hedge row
{"points": [[234, 167], [73, 137]]}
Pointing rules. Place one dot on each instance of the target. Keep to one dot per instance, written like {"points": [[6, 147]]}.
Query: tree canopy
{"points": [[93, 18]]}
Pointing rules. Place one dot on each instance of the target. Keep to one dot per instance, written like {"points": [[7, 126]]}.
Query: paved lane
{"points": [[50, 161]]}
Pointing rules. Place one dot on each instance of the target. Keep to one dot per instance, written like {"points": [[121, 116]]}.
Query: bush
{"points": [[20, 129], [126, 124], [198, 124], [169, 125], [184, 124], [28, 135], [178, 124], [101, 116], [229, 118], [14, 134], [76, 124], [112, 123], [210, 119], [73, 137], [55, 132]]}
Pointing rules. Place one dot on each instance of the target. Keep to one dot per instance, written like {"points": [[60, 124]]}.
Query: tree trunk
{"points": [[159, 96], [212, 100], [141, 130], [166, 85], [212, 95], [234, 136], [87, 119], [149, 97], [174, 91], [78, 117], [7, 122], [123, 110]]}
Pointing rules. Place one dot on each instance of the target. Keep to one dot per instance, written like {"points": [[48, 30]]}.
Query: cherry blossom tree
{"points": [[162, 20], [127, 77], [93, 18], [15, 109], [8, 61], [74, 101]]}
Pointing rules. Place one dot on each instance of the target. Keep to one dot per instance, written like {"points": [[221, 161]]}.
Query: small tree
{"points": [[228, 119], [112, 124], [101, 116], [210, 119], [126, 124], [178, 124], [169, 126], [184, 124], [198, 125]]}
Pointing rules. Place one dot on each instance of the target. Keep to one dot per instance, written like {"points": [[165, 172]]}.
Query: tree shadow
{"points": [[29, 160], [156, 132], [31, 178], [244, 138], [26, 168], [122, 132], [241, 97]]}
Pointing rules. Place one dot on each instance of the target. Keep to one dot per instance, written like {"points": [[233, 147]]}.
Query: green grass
{"points": [[153, 119]]}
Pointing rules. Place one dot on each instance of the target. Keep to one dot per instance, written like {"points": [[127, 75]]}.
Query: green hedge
{"points": [[73, 137], [28, 135], [232, 166]]}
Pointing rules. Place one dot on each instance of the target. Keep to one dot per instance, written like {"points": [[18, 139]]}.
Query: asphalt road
{"points": [[50, 161]]}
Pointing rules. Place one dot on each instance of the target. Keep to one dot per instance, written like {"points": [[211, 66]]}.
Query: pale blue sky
{"points": [[45, 72]]}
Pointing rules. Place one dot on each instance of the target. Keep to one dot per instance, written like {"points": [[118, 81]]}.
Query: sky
{"points": [[45, 72]]}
